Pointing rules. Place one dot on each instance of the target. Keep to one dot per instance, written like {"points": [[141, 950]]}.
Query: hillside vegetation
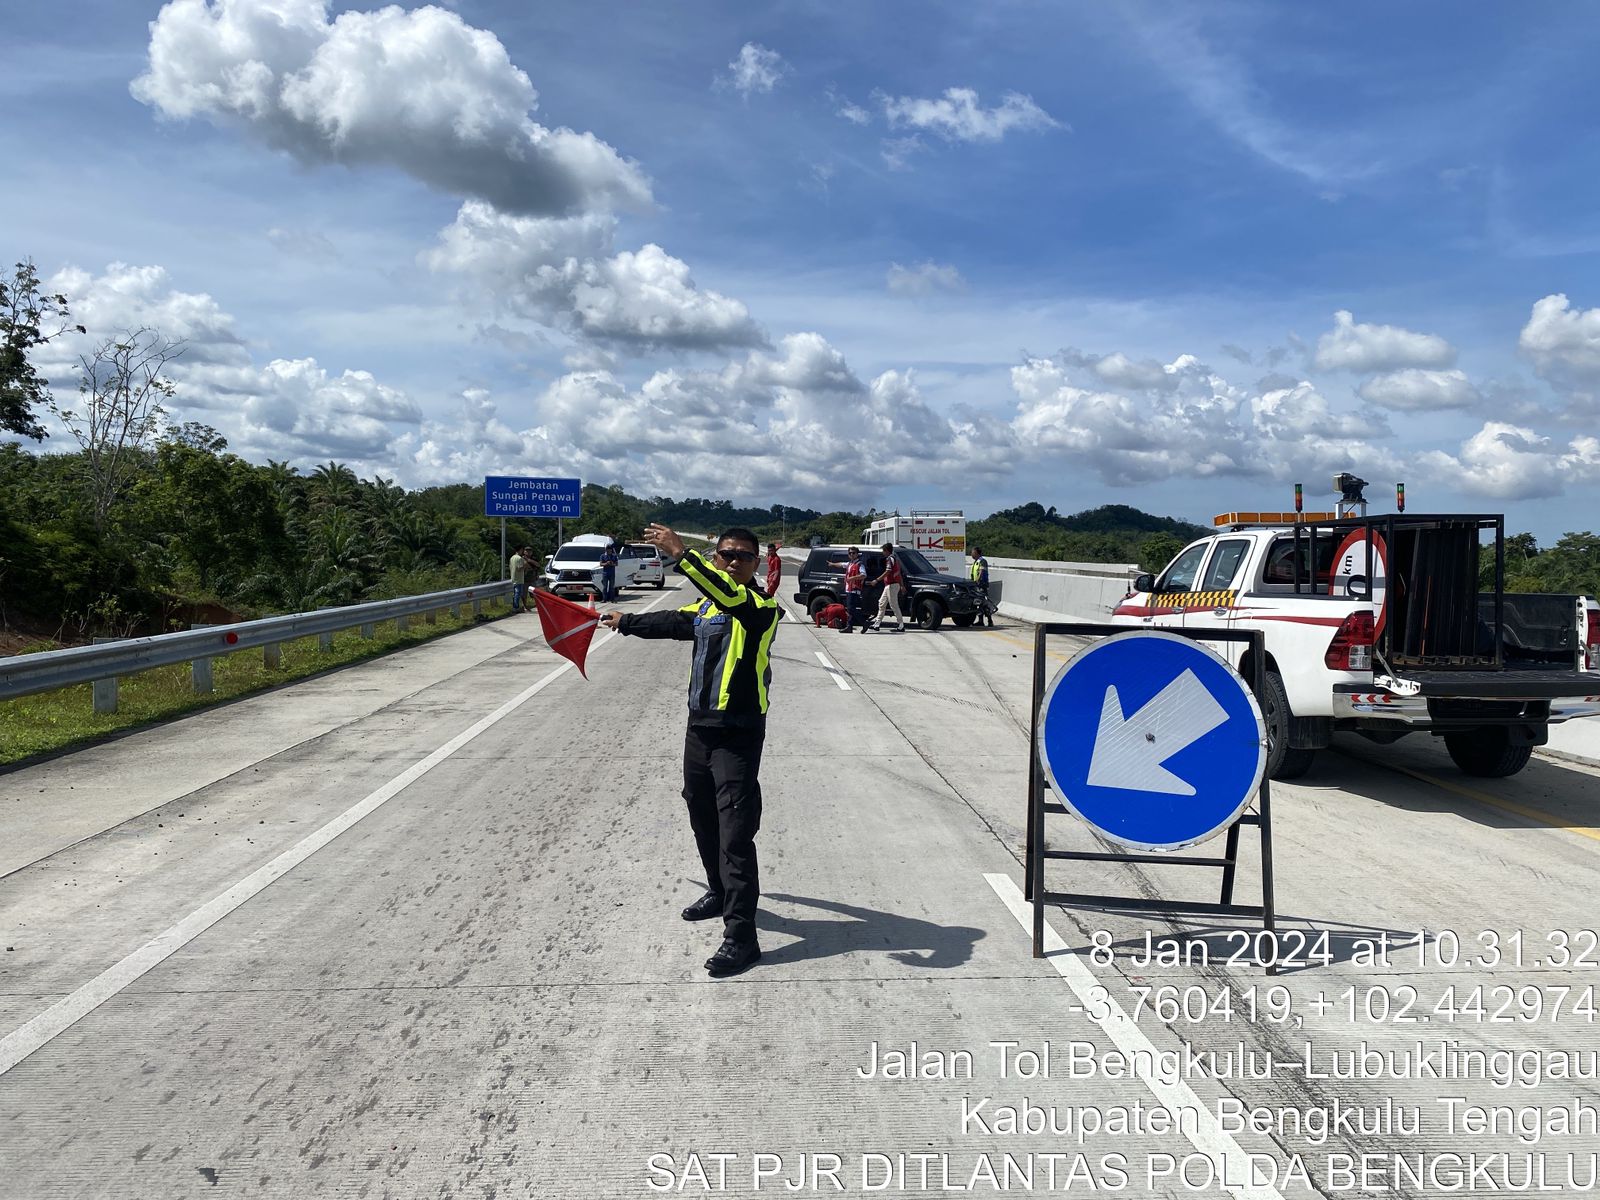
{"points": [[188, 531]]}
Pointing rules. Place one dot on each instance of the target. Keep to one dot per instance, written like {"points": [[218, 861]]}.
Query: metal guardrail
{"points": [[26, 674]]}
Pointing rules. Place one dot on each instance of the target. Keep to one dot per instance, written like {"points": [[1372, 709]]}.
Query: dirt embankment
{"points": [[25, 633]]}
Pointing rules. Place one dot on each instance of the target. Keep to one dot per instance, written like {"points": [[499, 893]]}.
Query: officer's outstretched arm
{"points": [[674, 623], [748, 605]]}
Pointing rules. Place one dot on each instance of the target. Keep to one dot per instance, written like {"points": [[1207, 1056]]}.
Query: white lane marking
{"points": [[838, 675], [1173, 1094], [27, 1038]]}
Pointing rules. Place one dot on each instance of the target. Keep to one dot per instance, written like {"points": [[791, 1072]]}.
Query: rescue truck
{"points": [[1377, 626], [939, 534]]}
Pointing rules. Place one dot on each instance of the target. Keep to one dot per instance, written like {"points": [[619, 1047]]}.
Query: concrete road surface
{"points": [[412, 930]]}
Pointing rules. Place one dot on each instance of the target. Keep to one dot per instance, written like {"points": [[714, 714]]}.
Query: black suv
{"points": [[930, 595]]}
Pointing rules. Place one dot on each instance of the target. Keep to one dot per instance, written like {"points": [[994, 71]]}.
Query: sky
{"points": [[890, 255]]}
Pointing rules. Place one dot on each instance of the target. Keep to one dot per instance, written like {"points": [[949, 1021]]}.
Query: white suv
{"points": [[574, 569], [641, 563]]}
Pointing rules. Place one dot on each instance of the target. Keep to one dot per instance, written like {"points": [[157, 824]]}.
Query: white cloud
{"points": [[924, 279], [854, 113], [957, 116], [289, 408], [1416, 390], [1190, 423], [897, 152], [1119, 370], [1564, 344], [420, 91], [561, 271], [795, 421], [1510, 462], [1222, 89], [125, 298], [1352, 347], [756, 69]]}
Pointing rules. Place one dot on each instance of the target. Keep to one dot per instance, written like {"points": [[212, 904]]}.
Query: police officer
{"points": [[980, 576], [731, 625]]}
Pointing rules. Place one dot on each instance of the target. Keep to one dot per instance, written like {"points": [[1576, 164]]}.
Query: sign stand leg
{"points": [[505, 563]]}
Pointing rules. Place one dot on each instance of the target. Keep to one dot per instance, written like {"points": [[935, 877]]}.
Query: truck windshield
{"points": [[577, 555]]}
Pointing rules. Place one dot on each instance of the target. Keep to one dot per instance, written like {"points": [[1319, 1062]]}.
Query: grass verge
{"points": [[57, 720]]}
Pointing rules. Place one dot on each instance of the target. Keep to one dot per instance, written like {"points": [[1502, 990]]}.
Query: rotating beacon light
{"points": [[1299, 499], [1399, 497]]}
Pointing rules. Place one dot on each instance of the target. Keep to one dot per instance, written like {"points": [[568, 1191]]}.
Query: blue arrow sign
{"points": [[1152, 739], [514, 496]]}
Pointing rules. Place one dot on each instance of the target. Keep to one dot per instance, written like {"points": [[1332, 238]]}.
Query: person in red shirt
{"points": [[889, 602], [855, 575], [774, 569]]}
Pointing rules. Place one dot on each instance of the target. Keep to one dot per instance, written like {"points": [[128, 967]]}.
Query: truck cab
{"points": [[1377, 626]]}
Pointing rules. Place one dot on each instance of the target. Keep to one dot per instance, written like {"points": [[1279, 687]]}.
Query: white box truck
{"points": [[940, 534]]}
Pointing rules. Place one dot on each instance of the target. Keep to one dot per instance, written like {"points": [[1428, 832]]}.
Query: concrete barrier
{"points": [[1578, 740], [1039, 593]]}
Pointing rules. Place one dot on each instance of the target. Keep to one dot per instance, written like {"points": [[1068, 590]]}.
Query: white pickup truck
{"points": [[1376, 625]]}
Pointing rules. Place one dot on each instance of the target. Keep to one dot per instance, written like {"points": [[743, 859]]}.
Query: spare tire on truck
{"points": [[1487, 751]]}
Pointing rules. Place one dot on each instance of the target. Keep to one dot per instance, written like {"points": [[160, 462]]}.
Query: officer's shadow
{"points": [[905, 939]]}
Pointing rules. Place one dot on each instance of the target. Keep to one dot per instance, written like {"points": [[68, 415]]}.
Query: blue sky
{"points": [[844, 255]]}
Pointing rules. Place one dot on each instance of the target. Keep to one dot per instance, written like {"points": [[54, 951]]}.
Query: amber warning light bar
{"points": [[1271, 518]]}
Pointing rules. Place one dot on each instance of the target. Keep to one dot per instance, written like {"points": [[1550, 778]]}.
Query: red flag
{"points": [[567, 626]]}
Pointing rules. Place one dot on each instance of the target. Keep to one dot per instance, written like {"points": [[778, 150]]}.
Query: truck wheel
{"points": [[818, 602], [930, 613], [1487, 752], [1283, 760], [963, 620]]}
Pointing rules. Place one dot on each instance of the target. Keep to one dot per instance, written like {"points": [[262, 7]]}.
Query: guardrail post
{"points": [[200, 671], [431, 616], [477, 608], [402, 623], [105, 690], [325, 641], [272, 655], [455, 611], [369, 630]]}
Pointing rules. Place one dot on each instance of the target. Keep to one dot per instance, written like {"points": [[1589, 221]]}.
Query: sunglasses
{"points": [[736, 555]]}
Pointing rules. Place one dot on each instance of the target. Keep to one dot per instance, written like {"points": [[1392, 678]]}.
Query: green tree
{"points": [[28, 318], [1157, 550]]}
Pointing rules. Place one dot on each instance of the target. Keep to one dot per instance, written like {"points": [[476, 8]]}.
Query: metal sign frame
{"points": [[1038, 852]]}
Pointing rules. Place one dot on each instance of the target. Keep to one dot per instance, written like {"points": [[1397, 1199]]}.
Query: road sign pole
{"points": [[505, 563]]}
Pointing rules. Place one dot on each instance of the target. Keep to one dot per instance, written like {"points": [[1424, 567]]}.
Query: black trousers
{"points": [[721, 786]]}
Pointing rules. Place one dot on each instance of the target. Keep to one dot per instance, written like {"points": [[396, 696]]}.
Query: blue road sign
{"points": [[1152, 739], [513, 496]]}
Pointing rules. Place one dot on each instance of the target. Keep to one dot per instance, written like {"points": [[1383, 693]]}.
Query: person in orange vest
{"points": [[855, 575], [774, 569], [889, 602]]}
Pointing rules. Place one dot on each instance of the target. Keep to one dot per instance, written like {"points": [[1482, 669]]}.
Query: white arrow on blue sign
{"points": [[1152, 739]]}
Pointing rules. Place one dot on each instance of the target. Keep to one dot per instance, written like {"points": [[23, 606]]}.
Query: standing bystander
{"points": [[855, 574], [519, 579], [980, 576], [608, 572], [774, 569], [889, 602]]}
